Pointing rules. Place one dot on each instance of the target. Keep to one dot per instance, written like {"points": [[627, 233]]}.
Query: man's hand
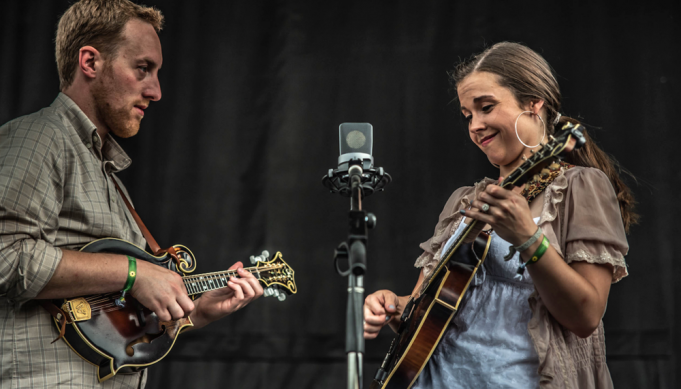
{"points": [[216, 304], [162, 291]]}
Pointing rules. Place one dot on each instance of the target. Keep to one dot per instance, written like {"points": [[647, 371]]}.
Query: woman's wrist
{"points": [[526, 255]]}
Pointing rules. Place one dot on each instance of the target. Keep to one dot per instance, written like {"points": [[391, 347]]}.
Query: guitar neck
{"points": [[201, 283]]}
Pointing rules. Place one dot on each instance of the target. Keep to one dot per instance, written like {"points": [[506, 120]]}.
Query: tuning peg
{"points": [[260, 258], [267, 292], [282, 296]]}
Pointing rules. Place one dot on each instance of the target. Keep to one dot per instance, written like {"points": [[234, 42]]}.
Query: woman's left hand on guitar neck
{"points": [[575, 294], [218, 303]]}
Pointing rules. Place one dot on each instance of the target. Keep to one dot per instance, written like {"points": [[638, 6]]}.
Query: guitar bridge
{"points": [[78, 308]]}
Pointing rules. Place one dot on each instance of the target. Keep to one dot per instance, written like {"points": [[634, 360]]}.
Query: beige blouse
{"points": [[581, 218]]}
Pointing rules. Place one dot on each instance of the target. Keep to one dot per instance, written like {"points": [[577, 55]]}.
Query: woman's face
{"points": [[491, 111]]}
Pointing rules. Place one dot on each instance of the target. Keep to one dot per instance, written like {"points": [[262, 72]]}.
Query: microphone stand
{"points": [[354, 249]]}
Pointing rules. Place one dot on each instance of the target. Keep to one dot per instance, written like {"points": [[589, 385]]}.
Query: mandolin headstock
{"points": [[568, 137], [276, 275]]}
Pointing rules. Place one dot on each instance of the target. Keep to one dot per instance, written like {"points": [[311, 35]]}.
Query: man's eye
{"points": [[144, 69]]}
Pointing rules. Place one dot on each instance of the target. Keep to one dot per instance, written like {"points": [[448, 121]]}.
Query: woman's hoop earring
{"points": [[518, 136]]}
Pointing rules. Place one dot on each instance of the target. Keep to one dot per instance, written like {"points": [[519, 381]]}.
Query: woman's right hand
{"points": [[380, 308]]}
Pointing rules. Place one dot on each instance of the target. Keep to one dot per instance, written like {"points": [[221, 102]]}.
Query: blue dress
{"points": [[487, 344]]}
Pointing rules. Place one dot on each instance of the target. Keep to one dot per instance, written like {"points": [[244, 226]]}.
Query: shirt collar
{"points": [[112, 154]]}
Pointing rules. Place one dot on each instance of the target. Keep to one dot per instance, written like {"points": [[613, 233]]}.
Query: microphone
{"points": [[355, 163]]}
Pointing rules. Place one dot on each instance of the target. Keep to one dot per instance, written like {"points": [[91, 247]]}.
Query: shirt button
{"points": [[88, 145]]}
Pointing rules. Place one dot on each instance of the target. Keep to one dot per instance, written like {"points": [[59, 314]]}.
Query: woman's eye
{"points": [[487, 108], [466, 118]]}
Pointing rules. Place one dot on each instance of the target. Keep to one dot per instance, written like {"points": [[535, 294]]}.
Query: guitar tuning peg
{"points": [[265, 255], [267, 292], [282, 296], [253, 260]]}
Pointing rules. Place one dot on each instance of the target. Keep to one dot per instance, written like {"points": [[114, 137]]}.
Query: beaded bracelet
{"points": [[517, 249]]}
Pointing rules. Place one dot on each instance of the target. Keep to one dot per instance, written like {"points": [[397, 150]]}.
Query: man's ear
{"points": [[90, 61]]}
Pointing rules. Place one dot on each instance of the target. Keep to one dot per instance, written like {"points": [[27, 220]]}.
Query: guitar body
{"points": [[426, 319], [121, 340]]}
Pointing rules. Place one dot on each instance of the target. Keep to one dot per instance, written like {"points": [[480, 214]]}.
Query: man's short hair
{"points": [[96, 23]]}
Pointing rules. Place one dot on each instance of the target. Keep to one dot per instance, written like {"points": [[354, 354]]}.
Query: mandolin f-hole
{"points": [[146, 338]]}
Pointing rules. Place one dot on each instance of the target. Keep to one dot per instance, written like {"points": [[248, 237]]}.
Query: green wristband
{"points": [[540, 251], [132, 273]]}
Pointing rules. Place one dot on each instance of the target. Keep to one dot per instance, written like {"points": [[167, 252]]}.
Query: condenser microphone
{"points": [[355, 160]]}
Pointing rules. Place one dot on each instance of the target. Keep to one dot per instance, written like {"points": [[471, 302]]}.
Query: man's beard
{"points": [[120, 121]]}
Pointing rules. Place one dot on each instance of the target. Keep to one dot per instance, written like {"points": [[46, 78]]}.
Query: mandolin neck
{"points": [[201, 283]]}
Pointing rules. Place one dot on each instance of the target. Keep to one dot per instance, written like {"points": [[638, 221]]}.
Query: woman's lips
{"points": [[485, 141]]}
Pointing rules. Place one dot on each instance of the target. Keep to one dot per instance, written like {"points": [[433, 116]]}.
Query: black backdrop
{"points": [[229, 162]]}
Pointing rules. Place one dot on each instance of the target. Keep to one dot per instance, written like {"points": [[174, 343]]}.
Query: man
{"points": [[57, 194]]}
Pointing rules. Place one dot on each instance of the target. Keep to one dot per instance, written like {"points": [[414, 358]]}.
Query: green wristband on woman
{"points": [[539, 252]]}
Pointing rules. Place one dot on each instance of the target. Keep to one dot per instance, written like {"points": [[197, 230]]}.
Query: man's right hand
{"points": [[162, 291], [381, 308]]}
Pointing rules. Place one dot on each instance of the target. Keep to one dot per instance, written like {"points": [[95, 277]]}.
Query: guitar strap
{"points": [[59, 314], [155, 248]]}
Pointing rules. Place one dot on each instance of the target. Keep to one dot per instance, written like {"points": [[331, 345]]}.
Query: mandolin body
{"points": [[121, 340]]}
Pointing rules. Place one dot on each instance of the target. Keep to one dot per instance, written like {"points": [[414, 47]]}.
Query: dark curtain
{"points": [[230, 161]]}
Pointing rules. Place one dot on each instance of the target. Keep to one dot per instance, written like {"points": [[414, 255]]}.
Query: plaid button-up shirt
{"points": [[55, 192]]}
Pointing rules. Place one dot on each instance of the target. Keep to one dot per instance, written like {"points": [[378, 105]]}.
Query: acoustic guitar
{"points": [[125, 337], [426, 317]]}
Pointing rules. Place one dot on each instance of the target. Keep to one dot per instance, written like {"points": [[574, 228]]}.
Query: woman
{"points": [[575, 225]]}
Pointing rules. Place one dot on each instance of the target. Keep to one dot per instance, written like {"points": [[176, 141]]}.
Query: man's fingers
{"points": [[238, 292], [163, 314], [176, 311], [236, 266], [186, 304], [252, 282]]}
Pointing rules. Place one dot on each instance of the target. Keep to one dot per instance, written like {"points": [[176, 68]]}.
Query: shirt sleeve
{"points": [[595, 230], [31, 191]]}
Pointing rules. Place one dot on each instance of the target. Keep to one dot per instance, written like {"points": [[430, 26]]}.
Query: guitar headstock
{"points": [[568, 137], [276, 275]]}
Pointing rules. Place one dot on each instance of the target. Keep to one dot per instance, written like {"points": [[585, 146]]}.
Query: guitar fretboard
{"points": [[206, 282]]}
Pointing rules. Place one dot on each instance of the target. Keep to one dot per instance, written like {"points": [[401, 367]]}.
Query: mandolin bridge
{"points": [[78, 308]]}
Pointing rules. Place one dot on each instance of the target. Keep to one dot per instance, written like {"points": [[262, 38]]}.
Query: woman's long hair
{"points": [[529, 77]]}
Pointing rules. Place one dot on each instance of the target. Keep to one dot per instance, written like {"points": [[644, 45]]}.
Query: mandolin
{"points": [[125, 337], [426, 316]]}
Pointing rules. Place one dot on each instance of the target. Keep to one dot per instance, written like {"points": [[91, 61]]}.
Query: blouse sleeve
{"points": [[449, 220], [594, 231]]}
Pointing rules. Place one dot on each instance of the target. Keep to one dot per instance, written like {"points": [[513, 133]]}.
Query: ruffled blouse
{"points": [[582, 220]]}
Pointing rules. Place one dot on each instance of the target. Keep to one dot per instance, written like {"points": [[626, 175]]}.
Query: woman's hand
{"points": [[380, 308], [509, 213]]}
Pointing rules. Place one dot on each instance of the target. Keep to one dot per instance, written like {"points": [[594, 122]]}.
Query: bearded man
{"points": [[57, 193]]}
